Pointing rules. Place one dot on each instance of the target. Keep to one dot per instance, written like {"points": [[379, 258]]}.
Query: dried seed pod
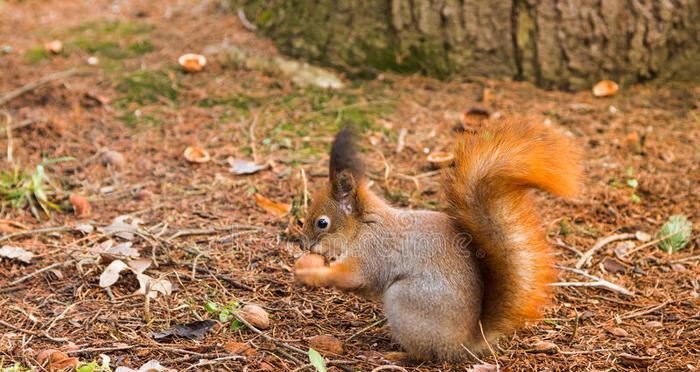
{"points": [[191, 62], [440, 159], [255, 315], [196, 155]]}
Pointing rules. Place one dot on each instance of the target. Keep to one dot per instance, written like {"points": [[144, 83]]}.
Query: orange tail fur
{"points": [[489, 191]]}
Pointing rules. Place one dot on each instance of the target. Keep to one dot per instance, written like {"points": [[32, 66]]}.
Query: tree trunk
{"points": [[567, 44]]}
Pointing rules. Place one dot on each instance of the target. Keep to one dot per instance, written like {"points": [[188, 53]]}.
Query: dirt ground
{"points": [[202, 229]]}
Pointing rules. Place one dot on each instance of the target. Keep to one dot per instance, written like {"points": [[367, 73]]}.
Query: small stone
{"points": [[113, 158], [642, 236], [143, 194]]}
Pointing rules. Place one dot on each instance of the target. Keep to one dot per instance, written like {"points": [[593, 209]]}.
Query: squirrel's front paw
{"points": [[311, 270]]}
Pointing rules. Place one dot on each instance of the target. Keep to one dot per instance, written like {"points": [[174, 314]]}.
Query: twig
{"points": [[251, 134], [245, 22], [268, 338], [401, 141], [100, 349], [29, 276], [586, 256], [493, 353], [33, 333], [648, 244], [7, 97], [43, 230], [587, 351], [637, 313], [365, 329], [598, 282]]}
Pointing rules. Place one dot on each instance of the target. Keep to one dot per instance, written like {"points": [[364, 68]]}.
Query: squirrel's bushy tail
{"points": [[489, 193]]}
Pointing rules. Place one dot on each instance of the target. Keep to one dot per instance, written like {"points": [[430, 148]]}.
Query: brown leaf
{"points": [[196, 155], [635, 360], [613, 266], [326, 343], [9, 226], [240, 348], [605, 88], [54, 359], [278, 209], [255, 315], [81, 206]]}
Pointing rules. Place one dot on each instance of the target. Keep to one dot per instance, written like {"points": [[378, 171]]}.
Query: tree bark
{"points": [[566, 44]]}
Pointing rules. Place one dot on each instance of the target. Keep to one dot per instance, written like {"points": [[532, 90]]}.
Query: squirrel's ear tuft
{"points": [[344, 156], [346, 171]]}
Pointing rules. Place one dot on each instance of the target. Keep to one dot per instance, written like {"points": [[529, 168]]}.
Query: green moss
{"points": [[36, 55], [147, 86], [241, 102], [111, 39]]}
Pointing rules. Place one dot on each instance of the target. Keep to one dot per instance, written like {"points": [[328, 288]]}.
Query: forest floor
{"points": [[114, 133]]}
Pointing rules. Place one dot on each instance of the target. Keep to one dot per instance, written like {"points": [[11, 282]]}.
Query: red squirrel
{"points": [[450, 280]]}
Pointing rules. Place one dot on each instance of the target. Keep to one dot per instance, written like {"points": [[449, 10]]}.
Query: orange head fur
{"points": [[336, 209]]}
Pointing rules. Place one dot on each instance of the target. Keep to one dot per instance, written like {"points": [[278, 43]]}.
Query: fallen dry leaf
{"points": [[54, 359], [16, 253], [112, 273], [326, 343], [255, 315], [191, 62], [81, 206], [109, 251], [605, 88], [153, 286], [121, 228], [139, 265], [84, 228], [196, 155], [242, 167], [278, 209], [240, 348], [9, 226], [192, 330], [613, 266]]}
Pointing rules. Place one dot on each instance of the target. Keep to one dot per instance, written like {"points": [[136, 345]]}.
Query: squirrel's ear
{"points": [[344, 190], [346, 171]]}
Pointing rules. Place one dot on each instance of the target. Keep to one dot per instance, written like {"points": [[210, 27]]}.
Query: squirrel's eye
{"points": [[323, 222]]}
